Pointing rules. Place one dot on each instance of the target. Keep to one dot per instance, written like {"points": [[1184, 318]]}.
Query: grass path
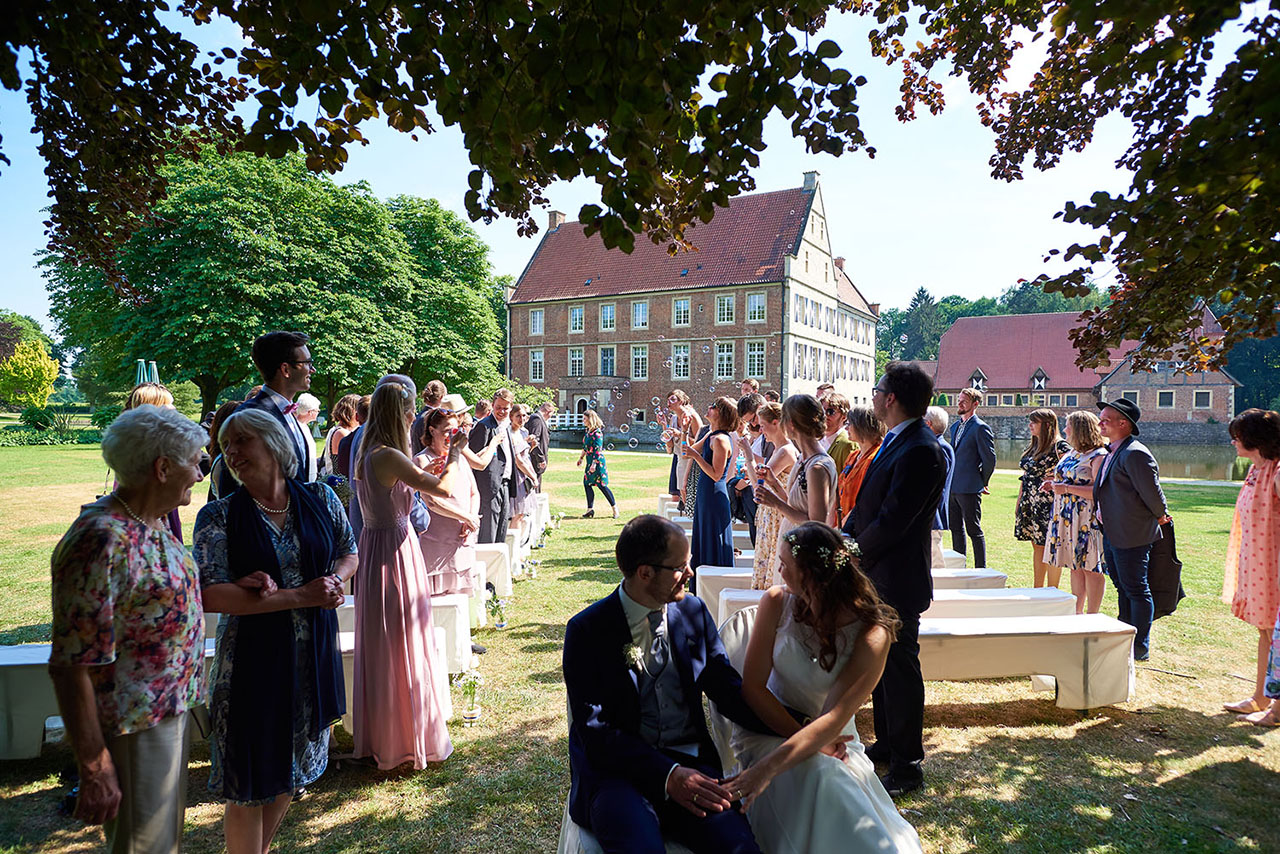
{"points": [[1007, 770]]}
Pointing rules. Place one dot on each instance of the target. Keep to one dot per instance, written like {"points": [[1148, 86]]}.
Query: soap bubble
{"points": [[666, 364], [595, 404], [627, 384], [655, 401], [706, 348], [624, 428], [661, 447], [633, 442], [712, 389], [653, 425], [611, 407], [609, 446]]}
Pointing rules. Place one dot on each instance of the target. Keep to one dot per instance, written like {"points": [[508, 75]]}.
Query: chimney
{"points": [[811, 180], [840, 263], [555, 219], [875, 308]]}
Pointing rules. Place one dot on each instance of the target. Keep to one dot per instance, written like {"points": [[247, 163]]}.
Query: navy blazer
{"points": [[262, 400], [941, 521], [975, 456], [489, 479], [604, 699], [1129, 498], [892, 519]]}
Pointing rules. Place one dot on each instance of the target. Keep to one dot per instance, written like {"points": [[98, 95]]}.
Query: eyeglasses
{"points": [[308, 362], [831, 410], [877, 390], [684, 567]]}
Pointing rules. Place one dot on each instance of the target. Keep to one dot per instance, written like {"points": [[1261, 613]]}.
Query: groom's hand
{"points": [[696, 792]]}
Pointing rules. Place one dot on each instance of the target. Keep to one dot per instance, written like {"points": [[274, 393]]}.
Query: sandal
{"points": [[1245, 707], [1267, 718]]}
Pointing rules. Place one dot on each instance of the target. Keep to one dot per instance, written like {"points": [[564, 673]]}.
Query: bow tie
{"points": [[288, 410]]}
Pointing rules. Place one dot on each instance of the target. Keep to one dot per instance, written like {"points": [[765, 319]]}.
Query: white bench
{"points": [[952, 559], [713, 580], [951, 579], [346, 618], [666, 504], [1001, 602], [496, 558], [452, 612], [733, 600], [1089, 655], [347, 642], [746, 559]]}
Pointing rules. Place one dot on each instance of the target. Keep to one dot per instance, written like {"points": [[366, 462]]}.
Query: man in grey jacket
{"points": [[1131, 506], [974, 442]]}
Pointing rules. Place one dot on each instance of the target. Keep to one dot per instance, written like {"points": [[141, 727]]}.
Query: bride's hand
{"points": [[750, 784], [837, 748]]}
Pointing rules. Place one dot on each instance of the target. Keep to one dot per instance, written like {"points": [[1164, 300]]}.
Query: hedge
{"points": [[20, 437]]}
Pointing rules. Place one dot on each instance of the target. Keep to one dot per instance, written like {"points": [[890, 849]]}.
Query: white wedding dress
{"points": [[822, 804]]}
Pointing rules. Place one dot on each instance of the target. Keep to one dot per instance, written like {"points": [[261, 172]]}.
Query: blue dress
{"points": [[712, 522]]}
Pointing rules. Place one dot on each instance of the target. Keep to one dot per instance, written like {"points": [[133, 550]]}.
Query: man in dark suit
{"points": [[974, 442], [496, 481], [537, 427], [936, 418], [636, 664], [1132, 508], [284, 360], [891, 522]]}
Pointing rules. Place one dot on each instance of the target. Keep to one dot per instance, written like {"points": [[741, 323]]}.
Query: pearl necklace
{"points": [[132, 515], [265, 509]]}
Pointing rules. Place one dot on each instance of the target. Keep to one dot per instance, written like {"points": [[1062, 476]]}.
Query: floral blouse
{"points": [[126, 603]]}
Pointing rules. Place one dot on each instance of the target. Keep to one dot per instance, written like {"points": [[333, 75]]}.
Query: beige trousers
{"points": [[151, 767], [938, 560]]}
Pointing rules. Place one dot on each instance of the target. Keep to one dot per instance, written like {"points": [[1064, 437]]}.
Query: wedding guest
{"points": [[273, 558], [1075, 537], [154, 394], [128, 634], [397, 711], [772, 396], [1269, 715], [449, 543], [344, 421], [1031, 512], [867, 432], [676, 400], [891, 522], [765, 567], [1252, 582], [596, 474], [750, 449], [497, 479], [835, 441], [824, 390], [482, 410], [525, 502], [217, 468], [342, 463], [432, 394], [712, 455], [811, 486], [284, 360], [817, 649], [306, 412], [1132, 508], [642, 762], [936, 418], [974, 442], [748, 386], [540, 439]]}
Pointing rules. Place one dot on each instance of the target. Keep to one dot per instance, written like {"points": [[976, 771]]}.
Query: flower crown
{"points": [[844, 558]]}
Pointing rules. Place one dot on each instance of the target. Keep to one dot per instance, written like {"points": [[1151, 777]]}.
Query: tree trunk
{"points": [[209, 388]]}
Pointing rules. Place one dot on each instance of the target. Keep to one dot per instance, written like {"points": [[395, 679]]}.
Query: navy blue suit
{"points": [[892, 522], [262, 400], [975, 450], [618, 780]]}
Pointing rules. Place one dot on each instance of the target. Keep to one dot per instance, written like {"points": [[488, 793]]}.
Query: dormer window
{"points": [[978, 380], [1040, 380]]}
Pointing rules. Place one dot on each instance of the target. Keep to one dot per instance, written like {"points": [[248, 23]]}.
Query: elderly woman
{"points": [[154, 394], [867, 432], [1252, 585], [128, 634], [273, 558]]}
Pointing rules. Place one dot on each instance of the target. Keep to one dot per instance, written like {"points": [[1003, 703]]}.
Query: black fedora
{"points": [[1125, 407]]}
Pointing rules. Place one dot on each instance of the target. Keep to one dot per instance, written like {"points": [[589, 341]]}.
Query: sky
{"points": [[925, 211]]}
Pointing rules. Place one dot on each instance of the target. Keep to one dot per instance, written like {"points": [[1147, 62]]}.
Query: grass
{"points": [[1007, 770]]}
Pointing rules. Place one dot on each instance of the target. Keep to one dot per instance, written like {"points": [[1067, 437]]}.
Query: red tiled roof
{"points": [[744, 244], [1009, 349], [847, 292]]}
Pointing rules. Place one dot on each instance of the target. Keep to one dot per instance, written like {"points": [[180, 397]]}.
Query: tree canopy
{"points": [[663, 105]]}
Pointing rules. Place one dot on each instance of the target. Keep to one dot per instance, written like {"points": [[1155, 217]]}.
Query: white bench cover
{"points": [[1001, 602], [733, 600], [952, 559], [497, 566], [944, 579], [714, 579]]}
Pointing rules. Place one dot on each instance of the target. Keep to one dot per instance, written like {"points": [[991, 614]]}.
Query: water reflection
{"points": [[1199, 462]]}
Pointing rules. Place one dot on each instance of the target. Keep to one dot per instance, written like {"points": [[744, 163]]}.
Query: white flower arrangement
{"points": [[470, 682], [634, 656]]}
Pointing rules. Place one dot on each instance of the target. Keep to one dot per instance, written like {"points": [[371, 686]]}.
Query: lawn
{"points": [[1007, 770]]}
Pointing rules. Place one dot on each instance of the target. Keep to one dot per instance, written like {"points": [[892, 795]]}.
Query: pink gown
{"points": [[397, 713], [450, 558]]}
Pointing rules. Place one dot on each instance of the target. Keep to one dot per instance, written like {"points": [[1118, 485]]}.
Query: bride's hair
{"points": [[835, 584]]}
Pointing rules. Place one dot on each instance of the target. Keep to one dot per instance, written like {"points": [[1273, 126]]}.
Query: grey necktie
{"points": [[658, 649]]}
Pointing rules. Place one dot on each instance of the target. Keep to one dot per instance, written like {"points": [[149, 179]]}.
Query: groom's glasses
{"points": [[684, 567]]}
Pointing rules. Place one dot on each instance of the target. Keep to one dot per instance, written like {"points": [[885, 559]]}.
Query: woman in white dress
{"points": [[816, 650]]}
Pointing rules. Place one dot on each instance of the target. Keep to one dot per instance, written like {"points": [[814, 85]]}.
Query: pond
{"points": [[1197, 462]]}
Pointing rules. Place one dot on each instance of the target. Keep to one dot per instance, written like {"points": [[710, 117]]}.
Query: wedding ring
{"points": [[739, 794], [695, 797]]}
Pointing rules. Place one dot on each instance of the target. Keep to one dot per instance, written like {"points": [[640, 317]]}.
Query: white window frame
{"points": [[764, 307], [640, 357], [1195, 396], [1007, 397], [731, 302], [613, 317], [680, 361], [635, 307], [1173, 398], [1071, 400], [579, 313], [539, 327], [675, 311], [797, 360], [575, 354], [537, 366], [756, 350], [725, 371], [1055, 400], [613, 350], [993, 400]]}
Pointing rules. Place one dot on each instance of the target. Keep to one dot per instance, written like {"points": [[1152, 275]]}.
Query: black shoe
{"points": [[898, 786], [478, 649], [1143, 657], [589, 514], [877, 752]]}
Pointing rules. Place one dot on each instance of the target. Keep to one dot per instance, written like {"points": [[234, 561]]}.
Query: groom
{"points": [[636, 664]]}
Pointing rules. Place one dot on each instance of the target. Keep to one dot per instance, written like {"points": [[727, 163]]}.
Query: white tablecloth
{"points": [[1000, 602], [712, 580], [1090, 655], [950, 579]]}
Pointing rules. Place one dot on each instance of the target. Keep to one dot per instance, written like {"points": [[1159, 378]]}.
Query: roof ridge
{"points": [[732, 199]]}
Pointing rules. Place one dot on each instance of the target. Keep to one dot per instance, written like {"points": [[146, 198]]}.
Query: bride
{"points": [[812, 659]]}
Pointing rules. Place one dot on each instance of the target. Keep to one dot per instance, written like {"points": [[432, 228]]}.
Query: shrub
{"points": [[37, 417], [104, 415], [22, 437]]}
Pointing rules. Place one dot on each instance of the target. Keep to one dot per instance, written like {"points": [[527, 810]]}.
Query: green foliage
{"points": [[67, 393], [37, 417], [186, 397], [924, 328], [27, 377], [1256, 363], [104, 415], [24, 437], [531, 395]]}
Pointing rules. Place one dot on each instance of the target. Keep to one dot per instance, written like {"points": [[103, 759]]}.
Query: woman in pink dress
{"points": [[397, 702], [1252, 583], [449, 543]]}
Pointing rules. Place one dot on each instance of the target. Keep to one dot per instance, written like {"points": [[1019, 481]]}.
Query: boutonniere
{"points": [[634, 656]]}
